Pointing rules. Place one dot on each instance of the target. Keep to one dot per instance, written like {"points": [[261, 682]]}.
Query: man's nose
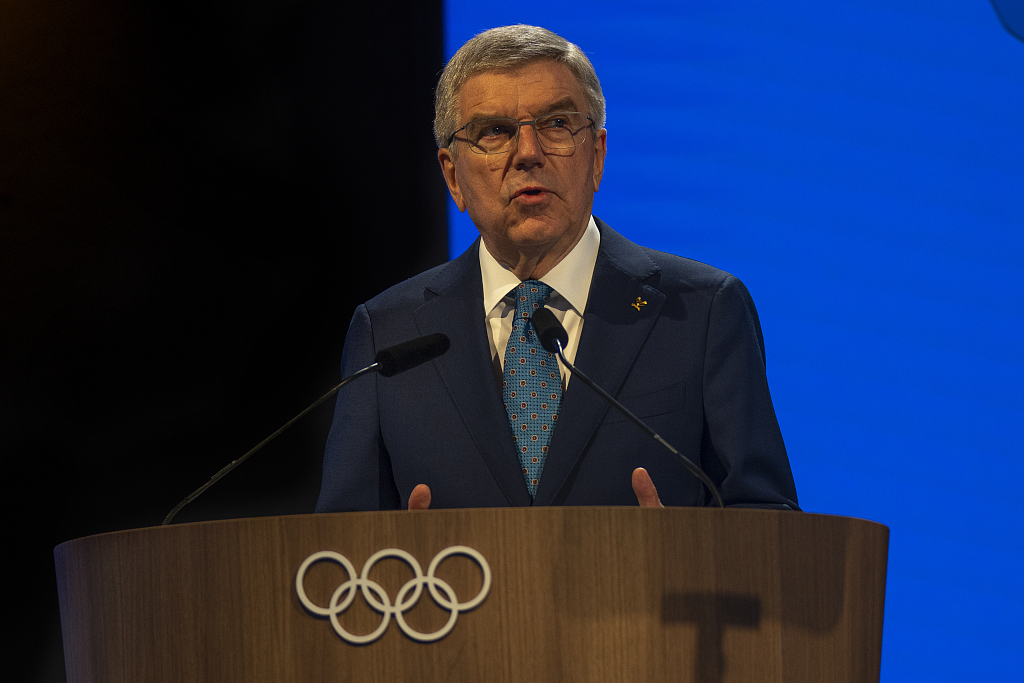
{"points": [[528, 151]]}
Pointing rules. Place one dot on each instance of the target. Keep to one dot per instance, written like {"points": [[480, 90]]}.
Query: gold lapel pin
{"points": [[638, 303]]}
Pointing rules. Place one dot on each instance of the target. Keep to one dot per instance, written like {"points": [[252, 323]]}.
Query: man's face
{"points": [[530, 201]]}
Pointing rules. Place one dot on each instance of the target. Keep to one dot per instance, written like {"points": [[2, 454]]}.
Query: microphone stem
{"points": [[686, 462], [235, 463]]}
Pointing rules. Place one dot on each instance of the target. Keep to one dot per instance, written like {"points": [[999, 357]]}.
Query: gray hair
{"points": [[505, 49]]}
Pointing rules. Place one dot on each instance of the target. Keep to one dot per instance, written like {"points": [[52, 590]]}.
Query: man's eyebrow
{"points": [[564, 104], [482, 116]]}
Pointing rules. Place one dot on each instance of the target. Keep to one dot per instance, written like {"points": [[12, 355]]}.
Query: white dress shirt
{"points": [[570, 280]]}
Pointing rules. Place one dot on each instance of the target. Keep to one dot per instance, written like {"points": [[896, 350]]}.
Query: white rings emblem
{"points": [[378, 599]]}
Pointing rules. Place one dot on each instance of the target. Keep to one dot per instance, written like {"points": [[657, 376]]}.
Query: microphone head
{"points": [[407, 355], [549, 330]]}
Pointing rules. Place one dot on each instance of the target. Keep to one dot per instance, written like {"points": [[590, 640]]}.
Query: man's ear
{"points": [[600, 149], [444, 157]]}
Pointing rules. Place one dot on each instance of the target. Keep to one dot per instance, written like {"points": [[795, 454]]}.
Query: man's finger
{"points": [[644, 489], [419, 499]]}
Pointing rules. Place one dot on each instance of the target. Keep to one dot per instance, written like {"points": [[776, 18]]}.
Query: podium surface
{"points": [[594, 594]]}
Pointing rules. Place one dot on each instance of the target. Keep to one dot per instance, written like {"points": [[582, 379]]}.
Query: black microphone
{"points": [[408, 355], [553, 338], [388, 362]]}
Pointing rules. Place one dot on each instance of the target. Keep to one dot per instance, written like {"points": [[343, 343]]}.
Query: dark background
{"points": [[192, 203]]}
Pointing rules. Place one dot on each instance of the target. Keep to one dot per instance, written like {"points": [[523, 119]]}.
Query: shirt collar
{"points": [[570, 278]]}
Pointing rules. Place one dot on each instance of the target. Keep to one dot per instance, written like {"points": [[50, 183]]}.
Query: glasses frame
{"points": [[519, 124]]}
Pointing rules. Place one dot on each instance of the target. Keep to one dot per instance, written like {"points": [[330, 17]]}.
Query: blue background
{"points": [[861, 167]]}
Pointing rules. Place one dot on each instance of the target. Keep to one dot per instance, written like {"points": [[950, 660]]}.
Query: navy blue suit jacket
{"points": [[690, 362]]}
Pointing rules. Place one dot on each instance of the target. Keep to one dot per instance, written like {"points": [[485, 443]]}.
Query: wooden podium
{"points": [[595, 595]]}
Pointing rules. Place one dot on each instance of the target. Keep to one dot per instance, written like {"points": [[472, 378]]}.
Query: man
{"points": [[519, 121]]}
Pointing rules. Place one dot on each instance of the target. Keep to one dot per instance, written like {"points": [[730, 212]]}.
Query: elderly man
{"points": [[519, 122]]}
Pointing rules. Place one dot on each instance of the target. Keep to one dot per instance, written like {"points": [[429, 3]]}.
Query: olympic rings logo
{"points": [[407, 596]]}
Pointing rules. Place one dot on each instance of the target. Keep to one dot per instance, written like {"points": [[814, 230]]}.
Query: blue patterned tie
{"points": [[532, 386]]}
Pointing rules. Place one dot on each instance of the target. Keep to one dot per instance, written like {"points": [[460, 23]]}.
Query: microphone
{"points": [[407, 355], [553, 338], [388, 362]]}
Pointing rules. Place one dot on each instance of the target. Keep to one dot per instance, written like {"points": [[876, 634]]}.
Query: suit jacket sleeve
{"points": [[357, 473], [742, 446]]}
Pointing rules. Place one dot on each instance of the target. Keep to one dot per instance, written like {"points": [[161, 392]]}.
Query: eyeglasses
{"points": [[561, 130]]}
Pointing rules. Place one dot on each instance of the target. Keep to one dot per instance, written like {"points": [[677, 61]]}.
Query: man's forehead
{"points": [[541, 86]]}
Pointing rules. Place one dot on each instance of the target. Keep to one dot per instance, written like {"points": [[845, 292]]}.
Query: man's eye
{"points": [[495, 130], [556, 122]]}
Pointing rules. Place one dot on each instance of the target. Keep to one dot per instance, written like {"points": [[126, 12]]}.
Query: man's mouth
{"points": [[531, 191]]}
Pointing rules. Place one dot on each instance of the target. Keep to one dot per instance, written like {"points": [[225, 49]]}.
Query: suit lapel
{"points": [[614, 331], [454, 306]]}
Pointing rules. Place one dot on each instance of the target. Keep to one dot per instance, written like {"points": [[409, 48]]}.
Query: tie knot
{"points": [[530, 295]]}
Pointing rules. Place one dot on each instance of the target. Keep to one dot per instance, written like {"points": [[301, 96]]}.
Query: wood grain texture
{"points": [[578, 594]]}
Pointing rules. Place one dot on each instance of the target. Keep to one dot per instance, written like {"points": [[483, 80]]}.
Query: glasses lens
{"points": [[561, 130], [490, 136]]}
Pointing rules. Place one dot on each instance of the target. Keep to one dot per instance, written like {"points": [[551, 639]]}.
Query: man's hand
{"points": [[644, 489], [419, 499]]}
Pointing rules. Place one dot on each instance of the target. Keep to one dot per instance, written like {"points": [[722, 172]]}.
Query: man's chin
{"points": [[539, 236], [539, 229], [534, 235]]}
